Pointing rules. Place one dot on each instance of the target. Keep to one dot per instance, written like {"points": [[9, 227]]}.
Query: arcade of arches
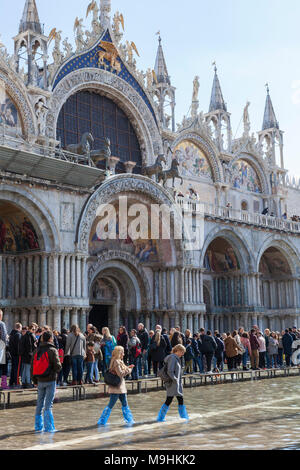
{"points": [[138, 281]]}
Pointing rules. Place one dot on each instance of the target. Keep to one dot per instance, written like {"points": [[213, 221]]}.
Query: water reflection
{"points": [[257, 415]]}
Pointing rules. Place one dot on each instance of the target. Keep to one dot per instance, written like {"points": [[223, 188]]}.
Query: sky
{"points": [[253, 42]]}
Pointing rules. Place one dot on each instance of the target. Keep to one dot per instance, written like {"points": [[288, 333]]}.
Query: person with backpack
{"points": [[171, 374], [44, 369], [188, 357], [135, 353]]}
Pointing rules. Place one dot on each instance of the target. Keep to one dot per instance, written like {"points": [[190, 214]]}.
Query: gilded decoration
{"points": [[245, 177], [192, 160]]}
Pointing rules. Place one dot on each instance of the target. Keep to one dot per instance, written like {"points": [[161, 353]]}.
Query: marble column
{"points": [[57, 319], [164, 290], [186, 287], [78, 277], [222, 327], [25, 317], [147, 321], [172, 288], [55, 276], [260, 322], [84, 281], [177, 319], [195, 322], [17, 278], [29, 277], [42, 316], [66, 318], [229, 321], [36, 273], [183, 321], [73, 277], [156, 289], [212, 322], [201, 320], [62, 275], [44, 275], [68, 276], [190, 322], [33, 315], [166, 323], [74, 316], [201, 287]]}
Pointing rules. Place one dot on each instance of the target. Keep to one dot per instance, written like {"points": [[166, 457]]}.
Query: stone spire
{"points": [[270, 121], [217, 101], [30, 19], [160, 68]]}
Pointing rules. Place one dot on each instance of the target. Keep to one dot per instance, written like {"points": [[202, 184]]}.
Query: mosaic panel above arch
{"points": [[244, 176], [221, 257], [193, 161], [9, 114]]}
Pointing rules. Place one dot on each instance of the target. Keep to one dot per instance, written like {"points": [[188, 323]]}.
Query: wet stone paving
{"points": [[253, 415]]}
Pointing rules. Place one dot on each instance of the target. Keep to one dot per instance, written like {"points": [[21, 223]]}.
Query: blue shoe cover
{"points": [[127, 415], [49, 421], [39, 423], [162, 413], [182, 412], [104, 417]]}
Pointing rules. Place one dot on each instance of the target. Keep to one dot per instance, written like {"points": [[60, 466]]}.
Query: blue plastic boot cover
{"points": [[127, 415], [162, 413], [49, 421], [182, 412], [39, 423], [104, 417]]}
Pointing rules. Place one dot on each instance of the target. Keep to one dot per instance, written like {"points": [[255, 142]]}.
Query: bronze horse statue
{"points": [[103, 153], [155, 169], [172, 173], [84, 147]]}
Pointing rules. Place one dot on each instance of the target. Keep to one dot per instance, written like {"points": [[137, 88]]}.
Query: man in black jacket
{"points": [[143, 336], [46, 382], [14, 350], [208, 347], [27, 348]]}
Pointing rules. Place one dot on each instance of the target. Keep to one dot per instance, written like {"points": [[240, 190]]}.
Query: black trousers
{"points": [[170, 399], [157, 364], [14, 370], [208, 357]]}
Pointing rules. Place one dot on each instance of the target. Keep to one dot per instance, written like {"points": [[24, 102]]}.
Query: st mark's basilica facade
{"points": [[84, 128]]}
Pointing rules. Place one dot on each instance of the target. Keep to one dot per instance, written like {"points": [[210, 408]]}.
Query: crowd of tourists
{"points": [[85, 357]]}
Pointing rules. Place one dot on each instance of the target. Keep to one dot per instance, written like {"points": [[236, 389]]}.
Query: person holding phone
{"points": [[117, 367]]}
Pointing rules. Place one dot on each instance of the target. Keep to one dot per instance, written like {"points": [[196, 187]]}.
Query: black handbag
{"points": [[111, 379]]}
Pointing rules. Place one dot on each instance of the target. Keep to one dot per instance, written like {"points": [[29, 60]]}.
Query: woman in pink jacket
{"points": [[246, 343]]}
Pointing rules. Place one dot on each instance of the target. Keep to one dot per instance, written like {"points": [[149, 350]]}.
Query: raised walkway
{"points": [[27, 397]]}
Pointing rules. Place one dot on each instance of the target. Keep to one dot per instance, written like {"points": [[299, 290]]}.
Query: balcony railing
{"points": [[10, 138], [236, 215]]}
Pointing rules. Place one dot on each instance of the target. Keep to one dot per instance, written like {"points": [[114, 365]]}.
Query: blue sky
{"points": [[253, 42]]}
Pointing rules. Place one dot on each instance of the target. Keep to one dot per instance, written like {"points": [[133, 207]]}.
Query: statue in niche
{"points": [[41, 111]]}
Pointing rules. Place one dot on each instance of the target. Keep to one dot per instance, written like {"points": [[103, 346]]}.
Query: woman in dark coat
{"points": [[158, 351], [122, 340], [173, 383]]}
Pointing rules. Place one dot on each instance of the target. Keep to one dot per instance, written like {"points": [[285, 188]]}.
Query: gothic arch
{"points": [[116, 89], [245, 257], [19, 96], [259, 166], [287, 249], [207, 148], [131, 184], [36, 210], [127, 265]]}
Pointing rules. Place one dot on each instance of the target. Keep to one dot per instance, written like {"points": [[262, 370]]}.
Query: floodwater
{"points": [[242, 416]]}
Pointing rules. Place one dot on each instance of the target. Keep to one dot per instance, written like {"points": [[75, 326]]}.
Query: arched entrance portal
{"points": [[117, 296]]}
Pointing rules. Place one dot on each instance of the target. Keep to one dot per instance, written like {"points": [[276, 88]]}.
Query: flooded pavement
{"points": [[240, 416]]}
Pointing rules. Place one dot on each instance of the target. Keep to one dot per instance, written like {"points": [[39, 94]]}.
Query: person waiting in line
{"points": [[273, 349], [267, 336], [158, 347], [280, 349], [27, 348], [188, 357], [287, 342], [46, 358], [254, 350], [164, 333], [135, 352], [108, 343], [90, 362], [117, 367], [208, 347], [231, 350], [150, 364], [197, 361], [14, 349], [143, 336], [122, 340], [219, 353], [76, 349], [262, 350], [174, 385]]}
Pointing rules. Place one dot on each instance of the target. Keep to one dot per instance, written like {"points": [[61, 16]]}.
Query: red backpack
{"points": [[41, 365]]}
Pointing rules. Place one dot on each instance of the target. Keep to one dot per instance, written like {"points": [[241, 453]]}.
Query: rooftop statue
{"points": [[172, 173], [84, 147]]}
